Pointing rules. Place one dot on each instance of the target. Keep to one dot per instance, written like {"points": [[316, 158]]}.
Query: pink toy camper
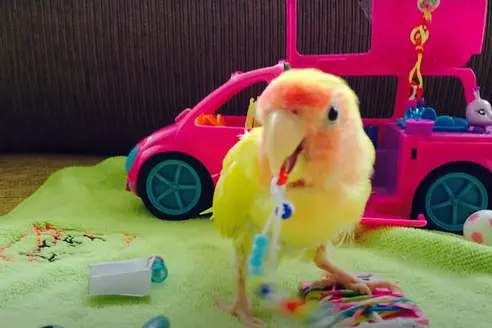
{"points": [[427, 165]]}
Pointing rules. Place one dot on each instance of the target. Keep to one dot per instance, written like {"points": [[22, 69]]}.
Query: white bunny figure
{"points": [[479, 111]]}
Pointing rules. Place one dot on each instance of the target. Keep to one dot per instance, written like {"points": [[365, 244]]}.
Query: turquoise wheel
{"points": [[452, 197], [174, 186]]}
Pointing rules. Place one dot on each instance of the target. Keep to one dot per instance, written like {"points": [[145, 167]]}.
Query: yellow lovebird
{"points": [[310, 127]]}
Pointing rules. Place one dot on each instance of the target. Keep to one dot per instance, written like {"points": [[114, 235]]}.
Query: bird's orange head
{"points": [[311, 123]]}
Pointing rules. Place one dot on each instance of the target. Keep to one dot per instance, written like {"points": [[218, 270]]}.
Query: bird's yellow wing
{"points": [[237, 186]]}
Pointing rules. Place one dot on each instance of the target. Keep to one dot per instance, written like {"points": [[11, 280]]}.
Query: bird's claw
{"points": [[358, 285], [383, 284], [242, 311]]}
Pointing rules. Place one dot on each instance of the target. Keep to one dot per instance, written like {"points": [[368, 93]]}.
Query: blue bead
{"points": [[157, 322], [159, 270], [259, 246], [252, 258], [287, 211], [259, 252], [264, 290], [261, 240], [255, 261], [256, 270]]}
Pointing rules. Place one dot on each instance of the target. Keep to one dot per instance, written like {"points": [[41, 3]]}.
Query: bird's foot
{"points": [[384, 284], [353, 283], [242, 310]]}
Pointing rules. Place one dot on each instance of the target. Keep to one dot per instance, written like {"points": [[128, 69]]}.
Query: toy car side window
{"points": [[370, 106], [448, 105], [356, 25], [239, 103], [238, 111]]}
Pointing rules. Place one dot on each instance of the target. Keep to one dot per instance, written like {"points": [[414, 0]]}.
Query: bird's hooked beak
{"points": [[284, 134]]}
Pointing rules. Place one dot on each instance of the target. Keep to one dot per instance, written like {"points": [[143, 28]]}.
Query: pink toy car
{"points": [[424, 170], [172, 170]]}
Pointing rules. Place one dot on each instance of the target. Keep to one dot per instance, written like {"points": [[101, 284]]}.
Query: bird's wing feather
{"points": [[237, 185]]}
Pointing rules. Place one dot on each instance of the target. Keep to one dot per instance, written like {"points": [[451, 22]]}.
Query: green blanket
{"points": [[84, 215]]}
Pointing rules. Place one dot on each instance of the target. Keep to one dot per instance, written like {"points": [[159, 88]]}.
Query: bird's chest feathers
{"points": [[318, 216]]}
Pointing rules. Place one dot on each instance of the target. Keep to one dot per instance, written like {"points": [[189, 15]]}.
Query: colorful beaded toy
{"points": [[330, 307], [382, 309], [308, 312]]}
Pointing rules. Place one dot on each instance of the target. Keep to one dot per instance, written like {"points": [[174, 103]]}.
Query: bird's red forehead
{"points": [[289, 95]]}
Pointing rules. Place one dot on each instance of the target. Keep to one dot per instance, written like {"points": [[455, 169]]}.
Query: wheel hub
{"points": [[452, 198], [173, 187]]}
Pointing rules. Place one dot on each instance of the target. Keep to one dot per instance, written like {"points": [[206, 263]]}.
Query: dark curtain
{"points": [[95, 76]]}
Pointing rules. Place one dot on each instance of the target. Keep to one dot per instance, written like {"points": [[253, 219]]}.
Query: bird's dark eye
{"points": [[332, 114], [481, 112]]}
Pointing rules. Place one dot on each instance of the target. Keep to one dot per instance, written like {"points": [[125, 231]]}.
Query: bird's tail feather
{"points": [[348, 237]]}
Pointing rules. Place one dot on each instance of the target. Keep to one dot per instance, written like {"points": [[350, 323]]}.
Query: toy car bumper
{"points": [[394, 221]]}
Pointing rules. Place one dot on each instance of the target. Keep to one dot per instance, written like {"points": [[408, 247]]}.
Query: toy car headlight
{"points": [[130, 159]]}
